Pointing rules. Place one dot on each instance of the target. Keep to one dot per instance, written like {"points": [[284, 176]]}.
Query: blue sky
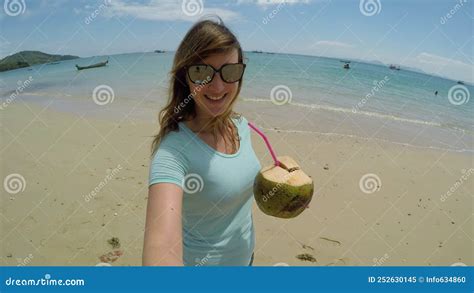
{"points": [[435, 36]]}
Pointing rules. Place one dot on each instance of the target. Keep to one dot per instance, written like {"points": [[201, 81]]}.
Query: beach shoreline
{"points": [[290, 117]]}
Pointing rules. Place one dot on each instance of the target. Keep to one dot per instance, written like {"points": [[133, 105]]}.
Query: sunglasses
{"points": [[203, 73]]}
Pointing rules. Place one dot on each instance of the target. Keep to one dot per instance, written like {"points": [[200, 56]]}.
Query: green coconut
{"points": [[283, 191]]}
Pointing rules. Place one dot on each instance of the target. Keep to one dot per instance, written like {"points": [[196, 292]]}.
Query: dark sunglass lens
{"points": [[200, 73], [232, 72]]}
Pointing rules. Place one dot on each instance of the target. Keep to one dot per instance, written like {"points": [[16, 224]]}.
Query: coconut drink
{"points": [[282, 190]]}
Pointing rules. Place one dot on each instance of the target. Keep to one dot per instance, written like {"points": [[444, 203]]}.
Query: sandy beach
{"points": [[83, 198]]}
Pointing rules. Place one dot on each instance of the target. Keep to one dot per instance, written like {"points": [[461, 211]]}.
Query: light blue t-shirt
{"points": [[218, 195]]}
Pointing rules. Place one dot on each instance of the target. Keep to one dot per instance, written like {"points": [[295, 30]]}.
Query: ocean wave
{"points": [[357, 112], [46, 94], [367, 139]]}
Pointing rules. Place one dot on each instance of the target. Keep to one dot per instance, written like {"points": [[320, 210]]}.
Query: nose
{"points": [[217, 85]]}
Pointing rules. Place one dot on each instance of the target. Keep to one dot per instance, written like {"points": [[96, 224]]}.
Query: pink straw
{"points": [[269, 146]]}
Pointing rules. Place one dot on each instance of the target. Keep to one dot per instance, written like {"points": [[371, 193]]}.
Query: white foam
{"points": [[367, 139], [350, 111]]}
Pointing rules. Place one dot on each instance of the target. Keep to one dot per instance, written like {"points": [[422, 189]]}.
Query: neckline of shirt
{"points": [[213, 150]]}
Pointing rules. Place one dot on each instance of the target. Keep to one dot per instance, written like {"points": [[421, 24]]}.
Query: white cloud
{"points": [[168, 10], [427, 58], [265, 3], [329, 48], [333, 44], [276, 2], [77, 11], [444, 66], [48, 4]]}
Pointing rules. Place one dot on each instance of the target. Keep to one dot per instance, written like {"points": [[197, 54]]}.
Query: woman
{"points": [[200, 187]]}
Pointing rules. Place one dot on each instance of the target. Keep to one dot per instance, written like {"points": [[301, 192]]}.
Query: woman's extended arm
{"points": [[163, 244]]}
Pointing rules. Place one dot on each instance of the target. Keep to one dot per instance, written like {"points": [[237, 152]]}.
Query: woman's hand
{"points": [[163, 243]]}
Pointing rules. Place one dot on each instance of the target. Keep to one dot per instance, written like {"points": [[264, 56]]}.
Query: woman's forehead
{"points": [[218, 59]]}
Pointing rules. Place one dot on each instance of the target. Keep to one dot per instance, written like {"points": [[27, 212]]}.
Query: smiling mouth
{"points": [[215, 98]]}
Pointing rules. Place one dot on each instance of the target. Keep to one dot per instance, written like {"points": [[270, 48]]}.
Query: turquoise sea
{"points": [[367, 100]]}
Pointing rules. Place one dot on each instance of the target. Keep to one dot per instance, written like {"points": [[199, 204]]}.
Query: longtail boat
{"points": [[100, 64]]}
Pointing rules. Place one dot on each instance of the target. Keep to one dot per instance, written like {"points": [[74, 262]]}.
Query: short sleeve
{"points": [[168, 165]]}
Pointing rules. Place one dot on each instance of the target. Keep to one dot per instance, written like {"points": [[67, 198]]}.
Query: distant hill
{"points": [[28, 58]]}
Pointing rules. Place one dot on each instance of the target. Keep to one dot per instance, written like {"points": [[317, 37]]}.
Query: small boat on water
{"points": [[100, 64], [346, 64], [160, 51], [460, 82], [394, 67], [52, 63]]}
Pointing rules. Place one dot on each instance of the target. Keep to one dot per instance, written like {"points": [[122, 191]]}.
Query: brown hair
{"points": [[205, 38]]}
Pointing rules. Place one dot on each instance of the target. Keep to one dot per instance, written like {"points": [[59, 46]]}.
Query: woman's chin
{"points": [[215, 112]]}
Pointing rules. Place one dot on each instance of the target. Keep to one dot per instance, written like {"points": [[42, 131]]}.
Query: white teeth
{"points": [[215, 98]]}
